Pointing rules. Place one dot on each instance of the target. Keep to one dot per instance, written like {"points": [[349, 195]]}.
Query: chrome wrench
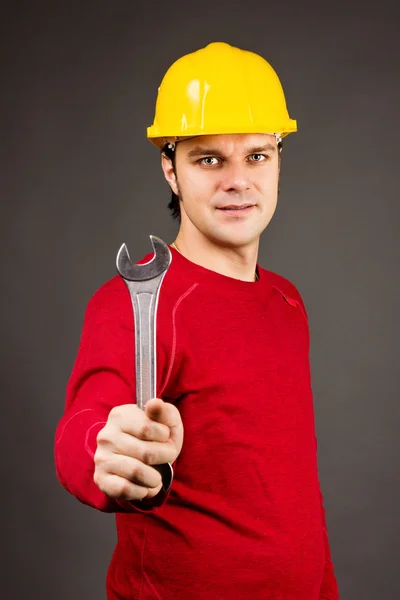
{"points": [[144, 283]]}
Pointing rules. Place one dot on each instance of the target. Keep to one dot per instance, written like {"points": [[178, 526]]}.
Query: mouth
{"points": [[235, 207]]}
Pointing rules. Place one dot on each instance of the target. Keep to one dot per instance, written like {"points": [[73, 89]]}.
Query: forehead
{"points": [[229, 142]]}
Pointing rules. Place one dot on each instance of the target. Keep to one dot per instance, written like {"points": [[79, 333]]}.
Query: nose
{"points": [[235, 178]]}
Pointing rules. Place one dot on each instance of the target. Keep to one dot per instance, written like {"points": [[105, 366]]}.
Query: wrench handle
{"points": [[144, 308], [144, 296]]}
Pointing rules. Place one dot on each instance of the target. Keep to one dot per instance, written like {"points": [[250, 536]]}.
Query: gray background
{"points": [[78, 178]]}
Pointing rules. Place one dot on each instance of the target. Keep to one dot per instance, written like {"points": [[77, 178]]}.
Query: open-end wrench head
{"points": [[155, 267]]}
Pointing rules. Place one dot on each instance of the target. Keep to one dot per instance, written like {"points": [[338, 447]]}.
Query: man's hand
{"points": [[131, 441]]}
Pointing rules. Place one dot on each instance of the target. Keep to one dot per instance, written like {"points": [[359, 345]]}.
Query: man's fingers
{"points": [[134, 421], [130, 443], [147, 429], [168, 415], [148, 452], [155, 453], [133, 470], [163, 412], [120, 488]]}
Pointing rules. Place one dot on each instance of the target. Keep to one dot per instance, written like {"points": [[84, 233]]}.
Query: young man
{"points": [[244, 517]]}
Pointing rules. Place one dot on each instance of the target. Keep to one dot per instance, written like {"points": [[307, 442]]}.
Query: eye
{"points": [[209, 161], [257, 157]]}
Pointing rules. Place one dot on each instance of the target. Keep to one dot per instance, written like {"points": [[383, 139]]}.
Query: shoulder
{"points": [[287, 288], [115, 288], [111, 297], [283, 284]]}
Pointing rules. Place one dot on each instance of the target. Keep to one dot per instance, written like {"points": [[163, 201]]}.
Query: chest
{"points": [[241, 380], [241, 342], [255, 352]]}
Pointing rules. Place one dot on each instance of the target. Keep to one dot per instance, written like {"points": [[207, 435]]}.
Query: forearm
{"points": [[74, 451], [76, 438], [76, 443]]}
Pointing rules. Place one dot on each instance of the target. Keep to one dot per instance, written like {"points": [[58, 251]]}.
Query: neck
{"points": [[237, 262]]}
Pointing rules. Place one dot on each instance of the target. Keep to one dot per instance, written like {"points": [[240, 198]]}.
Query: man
{"points": [[244, 517]]}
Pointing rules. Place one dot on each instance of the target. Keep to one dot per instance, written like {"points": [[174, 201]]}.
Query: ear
{"points": [[169, 172]]}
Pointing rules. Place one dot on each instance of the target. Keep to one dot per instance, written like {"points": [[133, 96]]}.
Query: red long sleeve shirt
{"points": [[244, 518]]}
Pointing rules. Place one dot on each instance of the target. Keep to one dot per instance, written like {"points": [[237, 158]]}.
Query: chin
{"points": [[234, 241]]}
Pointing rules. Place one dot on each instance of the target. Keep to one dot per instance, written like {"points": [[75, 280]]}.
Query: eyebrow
{"points": [[204, 151]]}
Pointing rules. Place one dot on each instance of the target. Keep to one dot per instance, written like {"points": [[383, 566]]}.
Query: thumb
{"points": [[167, 414], [154, 409]]}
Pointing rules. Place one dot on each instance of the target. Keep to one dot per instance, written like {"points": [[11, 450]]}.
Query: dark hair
{"points": [[173, 205]]}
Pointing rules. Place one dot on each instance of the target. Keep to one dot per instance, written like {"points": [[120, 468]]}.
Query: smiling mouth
{"points": [[232, 207]]}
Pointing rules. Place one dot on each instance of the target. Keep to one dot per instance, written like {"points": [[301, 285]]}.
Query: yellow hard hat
{"points": [[219, 89]]}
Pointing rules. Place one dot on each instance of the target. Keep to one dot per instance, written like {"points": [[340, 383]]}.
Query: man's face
{"points": [[217, 174]]}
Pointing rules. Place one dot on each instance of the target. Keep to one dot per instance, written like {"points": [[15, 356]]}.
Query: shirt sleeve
{"points": [[103, 376]]}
